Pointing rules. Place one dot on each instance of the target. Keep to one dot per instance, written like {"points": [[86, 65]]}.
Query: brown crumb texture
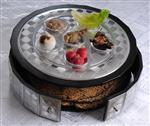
{"points": [[88, 97]]}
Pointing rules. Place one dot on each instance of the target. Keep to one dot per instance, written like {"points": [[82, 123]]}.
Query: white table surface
{"points": [[136, 14]]}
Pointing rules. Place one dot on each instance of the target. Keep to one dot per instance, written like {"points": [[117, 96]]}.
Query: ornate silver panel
{"points": [[31, 100], [120, 102], [50, 108], [44, 106], [115, 105], [16, 87], [130, 94]]}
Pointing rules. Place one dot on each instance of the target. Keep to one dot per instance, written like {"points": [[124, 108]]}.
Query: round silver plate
{"points": [[100, 63]]}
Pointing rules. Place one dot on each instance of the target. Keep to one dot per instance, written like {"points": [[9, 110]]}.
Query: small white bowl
{"points": [[45, 49]]}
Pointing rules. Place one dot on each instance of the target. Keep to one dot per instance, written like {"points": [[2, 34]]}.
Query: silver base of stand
{"points": [[50, 108]]}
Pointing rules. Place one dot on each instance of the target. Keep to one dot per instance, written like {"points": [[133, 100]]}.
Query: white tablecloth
{"points": [[136, 14]]}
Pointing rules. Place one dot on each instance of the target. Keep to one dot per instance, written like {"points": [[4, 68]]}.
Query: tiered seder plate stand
{"points": [[102, 66]]}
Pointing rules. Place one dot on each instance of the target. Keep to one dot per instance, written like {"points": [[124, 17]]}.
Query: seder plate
{"points": [[106, 65], [53, 64]]}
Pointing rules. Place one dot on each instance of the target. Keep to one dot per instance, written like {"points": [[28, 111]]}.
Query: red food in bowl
{"points": [[70, 55], [78, 57], [82, 52], [78, 60]]}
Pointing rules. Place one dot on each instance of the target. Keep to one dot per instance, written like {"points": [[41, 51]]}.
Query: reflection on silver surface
{"points": [[121, 102], [46, 107], [50, 108], [115, 106], [130, 96], [31, 100], [16, 87]]}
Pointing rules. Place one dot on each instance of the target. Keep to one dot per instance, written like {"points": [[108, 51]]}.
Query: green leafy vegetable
{"points": [[91, 21]]}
